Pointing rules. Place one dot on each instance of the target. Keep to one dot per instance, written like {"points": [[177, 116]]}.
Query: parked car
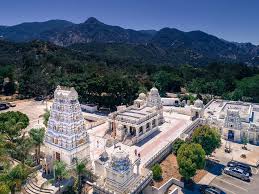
{"points": [[11, 104], [244, 167], [3, 106], [237, 172], [207, 189], [38, 98]]}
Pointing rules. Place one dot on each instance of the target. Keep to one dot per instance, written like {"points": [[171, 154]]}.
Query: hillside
{"points": [[105, 77], [166, 46]]}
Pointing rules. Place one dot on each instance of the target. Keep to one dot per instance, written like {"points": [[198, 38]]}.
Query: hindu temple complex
{"points": [[141, 134]]}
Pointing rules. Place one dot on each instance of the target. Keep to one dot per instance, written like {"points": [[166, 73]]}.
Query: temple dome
{"points": [[142, 96], [198, 103], [120, 161], [154, 90]]}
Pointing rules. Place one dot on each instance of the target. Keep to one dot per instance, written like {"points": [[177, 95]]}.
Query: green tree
{"points": [[190, 157], [37, 136], [166, 81], [21, 148], [46, 116], [207, 137], [157, 172], [12, 123], [80, 169], [4, 189], [244, 141], [60, 170], [3, 150], [176, 145], [14, 178]]}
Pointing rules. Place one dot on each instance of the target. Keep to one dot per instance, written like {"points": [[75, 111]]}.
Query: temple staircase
{"points": [[35, 185]]}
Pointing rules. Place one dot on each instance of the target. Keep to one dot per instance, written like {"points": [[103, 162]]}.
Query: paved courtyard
{"points": [[170, 130], [252, 153]]}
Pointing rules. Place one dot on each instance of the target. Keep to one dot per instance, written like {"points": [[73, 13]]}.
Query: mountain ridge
{"points": [[191, 47]]}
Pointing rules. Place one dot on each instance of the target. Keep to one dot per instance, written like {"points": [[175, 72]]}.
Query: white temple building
{"points": [[66, 137], [235, 119], [132, 124], [117, 176]]}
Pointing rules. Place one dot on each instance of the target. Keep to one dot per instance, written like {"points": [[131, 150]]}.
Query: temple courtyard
{"points": [[173, 126]]}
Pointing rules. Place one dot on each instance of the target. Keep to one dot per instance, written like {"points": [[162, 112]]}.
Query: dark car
{"points": [[207, 189], [3, 106], [237, 172], [38, 98], [244, 167]]}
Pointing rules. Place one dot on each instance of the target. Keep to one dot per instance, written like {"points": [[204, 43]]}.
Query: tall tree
{"points": [[80, 169], [37, 136], [207, 137], [190, 157]]}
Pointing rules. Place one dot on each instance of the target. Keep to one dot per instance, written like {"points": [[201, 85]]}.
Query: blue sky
{"points": [[233, 20]]}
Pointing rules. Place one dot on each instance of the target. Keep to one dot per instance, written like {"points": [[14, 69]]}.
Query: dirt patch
{"points": [[199, 175], [170, 169]]}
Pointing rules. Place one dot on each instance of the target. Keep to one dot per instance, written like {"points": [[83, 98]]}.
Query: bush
{"points": [[157, 172], [176, 145]]}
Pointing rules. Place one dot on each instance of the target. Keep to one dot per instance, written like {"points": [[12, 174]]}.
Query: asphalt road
{"points": [[233, 185], [229, 184]]}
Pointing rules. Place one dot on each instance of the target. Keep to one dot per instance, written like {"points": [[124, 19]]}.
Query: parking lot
{"points": [[33, 109], [233, 185]]}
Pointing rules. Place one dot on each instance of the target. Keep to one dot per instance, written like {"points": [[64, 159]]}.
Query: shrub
{"points": [[157, 172]]}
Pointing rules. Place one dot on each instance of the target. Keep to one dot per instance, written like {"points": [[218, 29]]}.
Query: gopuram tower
{"points": [[66, 138]]}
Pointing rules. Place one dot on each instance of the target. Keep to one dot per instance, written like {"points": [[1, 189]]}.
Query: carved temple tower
{"points": [[154, 100], [66, 138]]}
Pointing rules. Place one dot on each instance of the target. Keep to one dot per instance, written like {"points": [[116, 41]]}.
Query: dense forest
{"points": [[110, 80]]}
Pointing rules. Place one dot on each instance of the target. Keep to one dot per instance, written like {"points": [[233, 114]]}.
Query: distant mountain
{"points": [[168, 45], [31, 30]]}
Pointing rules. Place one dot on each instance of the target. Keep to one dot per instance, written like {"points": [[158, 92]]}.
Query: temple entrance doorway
{"points": [[231, 135], [57, 156], [132, 131]]}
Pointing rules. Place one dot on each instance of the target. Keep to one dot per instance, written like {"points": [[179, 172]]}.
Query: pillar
{"points": [[137, 131], [138, 164], [128, 130], [144, 128]]}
